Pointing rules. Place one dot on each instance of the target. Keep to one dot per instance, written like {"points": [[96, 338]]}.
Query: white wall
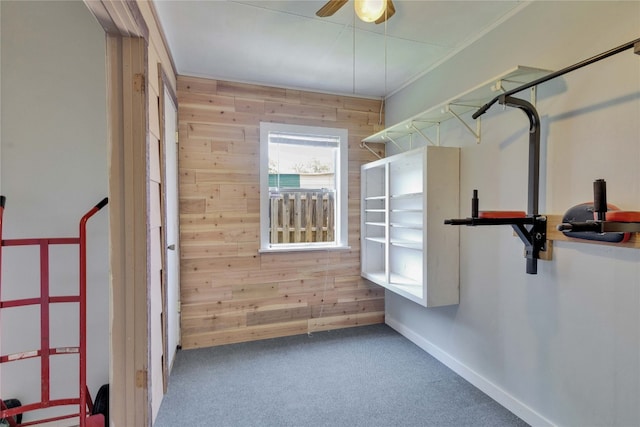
{"points": [[563, 346], [54, 169]]}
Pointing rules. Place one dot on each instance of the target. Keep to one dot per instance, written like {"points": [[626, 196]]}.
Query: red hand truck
{"points": [[83, 401]]}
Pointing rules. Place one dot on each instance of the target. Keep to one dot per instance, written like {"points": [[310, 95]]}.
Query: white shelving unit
{"points": [[374, 217], [405, 245]]}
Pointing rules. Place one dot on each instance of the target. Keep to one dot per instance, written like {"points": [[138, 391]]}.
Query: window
{"points": [[303, 187]]}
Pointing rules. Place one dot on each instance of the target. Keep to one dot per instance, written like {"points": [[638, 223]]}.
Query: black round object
{"points": [[584, 212], [13, 403], [101, 403]]}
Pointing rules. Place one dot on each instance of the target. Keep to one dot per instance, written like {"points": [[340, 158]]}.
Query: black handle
{"points": [[577, 227], [102, 203], [474, 204], [3, 200], [600, 198], [484, 108]]}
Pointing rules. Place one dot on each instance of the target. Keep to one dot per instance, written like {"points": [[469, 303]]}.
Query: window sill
{"points": [[296, 248]]}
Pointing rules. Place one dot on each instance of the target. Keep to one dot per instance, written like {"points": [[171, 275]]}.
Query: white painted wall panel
{"points": [[563, 346], [54, 169]]}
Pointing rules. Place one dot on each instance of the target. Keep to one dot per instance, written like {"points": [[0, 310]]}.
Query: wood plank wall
{"points": [[229, 292]]}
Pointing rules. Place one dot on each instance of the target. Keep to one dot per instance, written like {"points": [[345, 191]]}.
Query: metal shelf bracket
{"points": [[388, 138], [476, 133], [364, 145], [426, 138]]}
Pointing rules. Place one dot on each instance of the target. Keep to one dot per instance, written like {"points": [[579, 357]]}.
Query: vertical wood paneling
{"points": [[128, 221], [229, 292]]}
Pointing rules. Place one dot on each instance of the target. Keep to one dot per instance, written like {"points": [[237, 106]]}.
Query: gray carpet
{"points": [[365, 376]]}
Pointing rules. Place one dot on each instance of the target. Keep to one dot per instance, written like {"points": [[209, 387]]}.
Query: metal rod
{"points": [[474, 204], [84, 395], [44, 323], [600, 198], [534, 148], [558, 73], [426, 138], [474, 133], [392, 140], [364, 145]]}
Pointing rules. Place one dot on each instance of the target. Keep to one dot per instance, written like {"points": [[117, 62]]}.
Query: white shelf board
{"points": [[406, 195], [376, 239], [412, 293], [376, 224], [407, 244], [406, 225], [378, 277], [400, 285], [461, 104], [400, 280], [405, 286]]}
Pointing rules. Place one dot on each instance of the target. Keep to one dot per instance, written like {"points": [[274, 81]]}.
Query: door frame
{"points": [[128, 216], [127, 38], [165, 87]]}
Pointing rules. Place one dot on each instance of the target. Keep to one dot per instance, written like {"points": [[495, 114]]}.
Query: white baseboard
{"points": [[490, 389]]}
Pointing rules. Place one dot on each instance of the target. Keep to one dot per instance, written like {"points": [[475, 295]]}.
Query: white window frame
{"points": [[342, 175]]}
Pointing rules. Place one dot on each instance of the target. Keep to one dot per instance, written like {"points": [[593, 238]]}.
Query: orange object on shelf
{"points": [[502, 214], [623, 216]]}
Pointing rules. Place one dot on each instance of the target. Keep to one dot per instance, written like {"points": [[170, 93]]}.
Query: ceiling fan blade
{"points": [[388, 14], [330, 8]]}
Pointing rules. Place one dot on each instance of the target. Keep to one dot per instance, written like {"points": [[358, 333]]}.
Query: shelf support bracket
{"points": [[364, 145], [476, 133], [534, 239], [426, 138], [533, 95], [499, 87], [387, 137]]}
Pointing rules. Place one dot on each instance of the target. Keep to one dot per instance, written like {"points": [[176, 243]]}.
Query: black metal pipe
{"points": [[534, 149], [474, 204], [558, 73], [600, 198]]}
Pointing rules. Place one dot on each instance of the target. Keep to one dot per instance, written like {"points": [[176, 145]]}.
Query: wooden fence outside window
{"points": [[302, 216]]}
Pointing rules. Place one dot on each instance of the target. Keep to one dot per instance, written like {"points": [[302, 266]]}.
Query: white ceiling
{"points": [[284, 44]]}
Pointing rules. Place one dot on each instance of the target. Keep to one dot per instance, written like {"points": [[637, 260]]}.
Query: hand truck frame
{"points": [[84, 402]]}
